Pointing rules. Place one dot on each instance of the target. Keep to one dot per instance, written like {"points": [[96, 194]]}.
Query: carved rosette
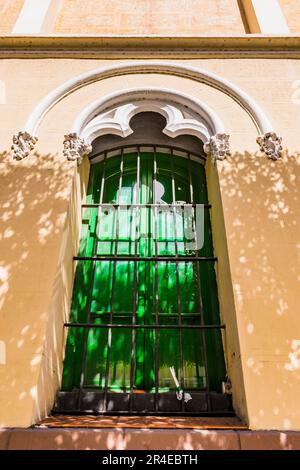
{"points": [[218, 147], [270, 144], [23, 143], [75, 147]]}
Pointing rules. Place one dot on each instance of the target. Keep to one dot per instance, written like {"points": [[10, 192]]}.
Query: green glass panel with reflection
{"points": [[104, 290]]}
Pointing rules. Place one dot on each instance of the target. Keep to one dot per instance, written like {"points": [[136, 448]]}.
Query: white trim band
{"points": [[161, 100], [159, 67]]}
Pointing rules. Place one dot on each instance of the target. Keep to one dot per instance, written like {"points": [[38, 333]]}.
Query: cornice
{"points": [[147, 46]]}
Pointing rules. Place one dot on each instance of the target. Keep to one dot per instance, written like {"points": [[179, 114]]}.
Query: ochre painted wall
{"points": [[179, 17], [291, 11], [9, 12], [262, 212], [40, 221], [257, 242]]}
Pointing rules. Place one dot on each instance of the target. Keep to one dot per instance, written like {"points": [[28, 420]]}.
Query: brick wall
{"points": [[177, 17], [291, 11]]}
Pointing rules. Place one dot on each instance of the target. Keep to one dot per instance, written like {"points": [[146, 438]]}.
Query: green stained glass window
{"points": [[145, 295]]}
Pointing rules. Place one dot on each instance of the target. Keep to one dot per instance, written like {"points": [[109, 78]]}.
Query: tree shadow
{"points": [[261, 211], [35, 206]]}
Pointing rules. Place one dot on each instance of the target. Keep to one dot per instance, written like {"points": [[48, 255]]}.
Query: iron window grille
{"points": [[81, 396]]}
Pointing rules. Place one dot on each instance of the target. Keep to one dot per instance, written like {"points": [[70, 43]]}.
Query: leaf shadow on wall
{"points": [[34, 236], [262, 213], [261, 205]]}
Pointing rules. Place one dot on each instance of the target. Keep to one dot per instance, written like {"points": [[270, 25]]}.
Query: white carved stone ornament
{"points": [[75, 147], [218, 147], [23, 143], [270, 144], [117, 120]]}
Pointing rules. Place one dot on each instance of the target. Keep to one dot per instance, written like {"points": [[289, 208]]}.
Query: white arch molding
{"points": [[268, 140], [150, 97], [111, 114]]}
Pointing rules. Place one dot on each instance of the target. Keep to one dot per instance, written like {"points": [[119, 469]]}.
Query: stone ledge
{"points": [[142, 422], [146, 439]]}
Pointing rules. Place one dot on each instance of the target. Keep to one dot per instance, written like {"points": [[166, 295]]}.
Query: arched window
{"points": [[145, 333]]}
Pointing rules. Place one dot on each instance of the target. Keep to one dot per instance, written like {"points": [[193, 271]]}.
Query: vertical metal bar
{"points": [[136, 242], [109, 334], [208, 398], [156, 282], [181, 379], [85, 340], [190, 179]]}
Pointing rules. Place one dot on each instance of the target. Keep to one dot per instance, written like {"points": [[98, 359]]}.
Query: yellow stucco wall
{"points": [[261, 212], [9, 12], [258, 272], [183, 17], [291, 11], [40, 220]]}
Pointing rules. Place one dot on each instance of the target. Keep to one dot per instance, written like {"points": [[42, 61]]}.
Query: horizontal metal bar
{"points": [[130, 326], [162, 314], [145, 258], [218, 414], [162, 206], [99, 389], [149, 146], [118, 315], [128, 239]]}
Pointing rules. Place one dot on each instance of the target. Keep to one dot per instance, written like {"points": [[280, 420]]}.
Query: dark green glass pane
{"points": [[94, 186], [209, 293], [215, 359], [193, 360], [73, 358], [81, 291], [169, 356], [95, 365], [105, 292], [199, 183], [101, 291], [113, 287], [189, 292], [106, 230], [123, 290], [127, 231], [144, 360], [120, 357], [88, 232], [167, 288], [145, 292]]}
